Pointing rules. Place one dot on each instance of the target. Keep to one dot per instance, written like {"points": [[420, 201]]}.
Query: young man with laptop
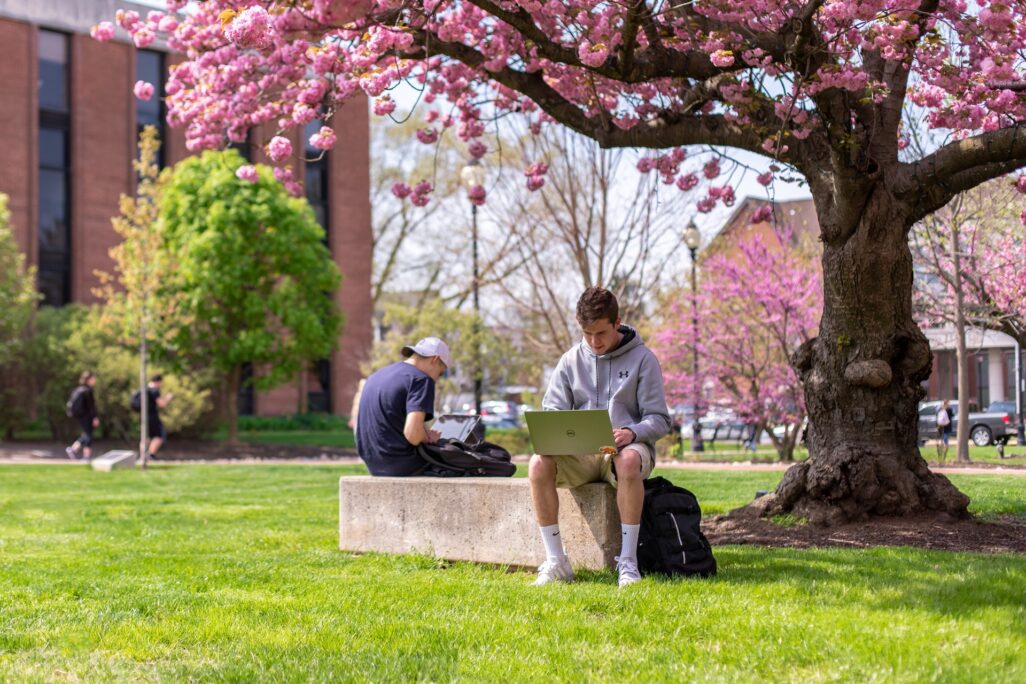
{"points": [[395, 404], [610, 371]]}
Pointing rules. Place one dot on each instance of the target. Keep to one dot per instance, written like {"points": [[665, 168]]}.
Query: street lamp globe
{"points": [[472, 175], [692, 238]]}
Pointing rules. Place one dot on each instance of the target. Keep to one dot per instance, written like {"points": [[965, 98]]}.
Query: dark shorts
{"points": [[86, 438], [157, 430]]}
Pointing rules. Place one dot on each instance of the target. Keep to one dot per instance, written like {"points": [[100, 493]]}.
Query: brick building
{"points": [[991, 355], [71, 124]]}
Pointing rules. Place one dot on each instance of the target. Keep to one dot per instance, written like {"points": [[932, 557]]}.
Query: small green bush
{"points": [[309, 422]]}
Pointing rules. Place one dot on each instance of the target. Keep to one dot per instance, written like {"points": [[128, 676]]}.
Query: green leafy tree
{"points": [[252, 281], [18, 294], [140, 267], [18, 299], [503, 360]]}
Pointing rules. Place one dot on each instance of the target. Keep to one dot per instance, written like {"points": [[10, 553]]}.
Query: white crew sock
{"points": [[553, 542], [629, 545]]}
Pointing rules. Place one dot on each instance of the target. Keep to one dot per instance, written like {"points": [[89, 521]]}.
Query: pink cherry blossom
{"points": [[428, 136], [748, 333], [250, 29], [324, 139], [1020, 184], [103, 32], [477, 195], [143, 90], [247, 172], [279, 148]]}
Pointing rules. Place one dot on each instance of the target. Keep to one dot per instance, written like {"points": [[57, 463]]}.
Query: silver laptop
{"points": [[570, 433], [458, 426]]}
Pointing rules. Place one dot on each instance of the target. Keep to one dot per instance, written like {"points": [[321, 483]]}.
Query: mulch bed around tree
{"points": [[1003, 534]]}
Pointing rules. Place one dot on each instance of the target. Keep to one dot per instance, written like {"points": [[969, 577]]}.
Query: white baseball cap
{"points": [[428, 347]]}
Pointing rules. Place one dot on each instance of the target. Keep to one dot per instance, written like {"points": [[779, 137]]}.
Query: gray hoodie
{"points": [[627, 381]]}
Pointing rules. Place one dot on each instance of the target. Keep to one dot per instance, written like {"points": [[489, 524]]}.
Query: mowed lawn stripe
{"points": [[232, 574]]}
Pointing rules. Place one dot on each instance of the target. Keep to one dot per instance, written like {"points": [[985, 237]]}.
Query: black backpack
{"points": [[76, 403], [671, 540], [452, 458], [136, 401]]}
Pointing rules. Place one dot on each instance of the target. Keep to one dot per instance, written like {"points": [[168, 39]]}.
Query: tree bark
{"points": [[232, 404], [862, 380]]}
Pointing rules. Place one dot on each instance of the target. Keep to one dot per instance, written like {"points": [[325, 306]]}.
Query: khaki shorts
{"points": [[574, 471]]}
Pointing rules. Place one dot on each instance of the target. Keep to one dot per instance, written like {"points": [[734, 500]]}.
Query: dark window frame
{"points": [[55, 264], [158, 97]]}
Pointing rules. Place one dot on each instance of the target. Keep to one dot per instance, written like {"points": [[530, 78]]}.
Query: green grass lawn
{"points": [[205, 573]]}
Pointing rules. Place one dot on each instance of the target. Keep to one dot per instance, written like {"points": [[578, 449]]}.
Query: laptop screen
{"points": [[455, 426]]}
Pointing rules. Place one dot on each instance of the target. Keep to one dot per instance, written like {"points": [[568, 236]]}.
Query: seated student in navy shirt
{"points": [[395, 404]]}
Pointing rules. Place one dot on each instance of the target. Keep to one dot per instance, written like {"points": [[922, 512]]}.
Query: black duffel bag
{"points": [[452, 458]]}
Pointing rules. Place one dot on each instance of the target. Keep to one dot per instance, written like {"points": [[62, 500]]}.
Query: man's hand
{"points": [[96, 422], [431, 436], [624, 436]]}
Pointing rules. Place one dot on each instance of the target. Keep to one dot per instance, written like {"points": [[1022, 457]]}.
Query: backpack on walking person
{"points": [[671, 540], [76, 406]]}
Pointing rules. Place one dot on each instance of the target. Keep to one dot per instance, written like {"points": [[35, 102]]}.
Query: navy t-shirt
{"points": [[388, 396]]}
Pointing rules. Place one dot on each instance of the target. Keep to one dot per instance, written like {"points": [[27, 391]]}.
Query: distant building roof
{"points": [[799, 216], [943, 339]]}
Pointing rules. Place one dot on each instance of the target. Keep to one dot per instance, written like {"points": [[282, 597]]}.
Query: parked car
{"points": [[500, 414], [985, 427]]}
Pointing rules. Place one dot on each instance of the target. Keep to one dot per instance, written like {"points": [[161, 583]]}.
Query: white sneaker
{"points": [[628, 570], [557, 570], [71, 453]]}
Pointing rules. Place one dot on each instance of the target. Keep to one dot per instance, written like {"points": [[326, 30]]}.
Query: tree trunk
{"points": [[232, 404], [862, 381], [961, 357]]}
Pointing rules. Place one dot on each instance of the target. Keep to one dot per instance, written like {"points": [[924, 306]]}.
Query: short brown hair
{"points": [[84, 378], [597, 304]]}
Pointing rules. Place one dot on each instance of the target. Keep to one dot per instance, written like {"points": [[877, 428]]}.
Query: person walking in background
{"points": [[944, 418], [82, 407], [155, 402]]}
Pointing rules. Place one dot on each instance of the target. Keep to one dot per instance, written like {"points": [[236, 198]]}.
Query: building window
{"points": [[246, 395], [319, 400], [149, 67], [54, 273], [982, 380], [316, 180], [244, 148]]}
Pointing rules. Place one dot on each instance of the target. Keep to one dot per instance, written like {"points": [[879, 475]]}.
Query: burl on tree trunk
{"points": [[863, 379]]}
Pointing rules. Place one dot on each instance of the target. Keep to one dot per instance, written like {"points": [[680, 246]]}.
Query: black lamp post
{"points": [[472, 176], [692, 238], [1020, 431]]}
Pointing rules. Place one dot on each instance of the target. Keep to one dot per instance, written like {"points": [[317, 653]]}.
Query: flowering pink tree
{"points": [[819, 87], [970, 257], [756, 306]]}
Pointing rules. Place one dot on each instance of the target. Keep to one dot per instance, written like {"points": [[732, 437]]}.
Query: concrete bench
{"points": [[486, 520]]}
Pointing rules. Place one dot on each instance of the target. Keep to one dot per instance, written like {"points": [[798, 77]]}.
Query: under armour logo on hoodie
{"points": [[624, 374]]}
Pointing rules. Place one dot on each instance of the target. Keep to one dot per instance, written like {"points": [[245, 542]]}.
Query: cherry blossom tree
{"points": [[757, 305], [820, 87]]}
